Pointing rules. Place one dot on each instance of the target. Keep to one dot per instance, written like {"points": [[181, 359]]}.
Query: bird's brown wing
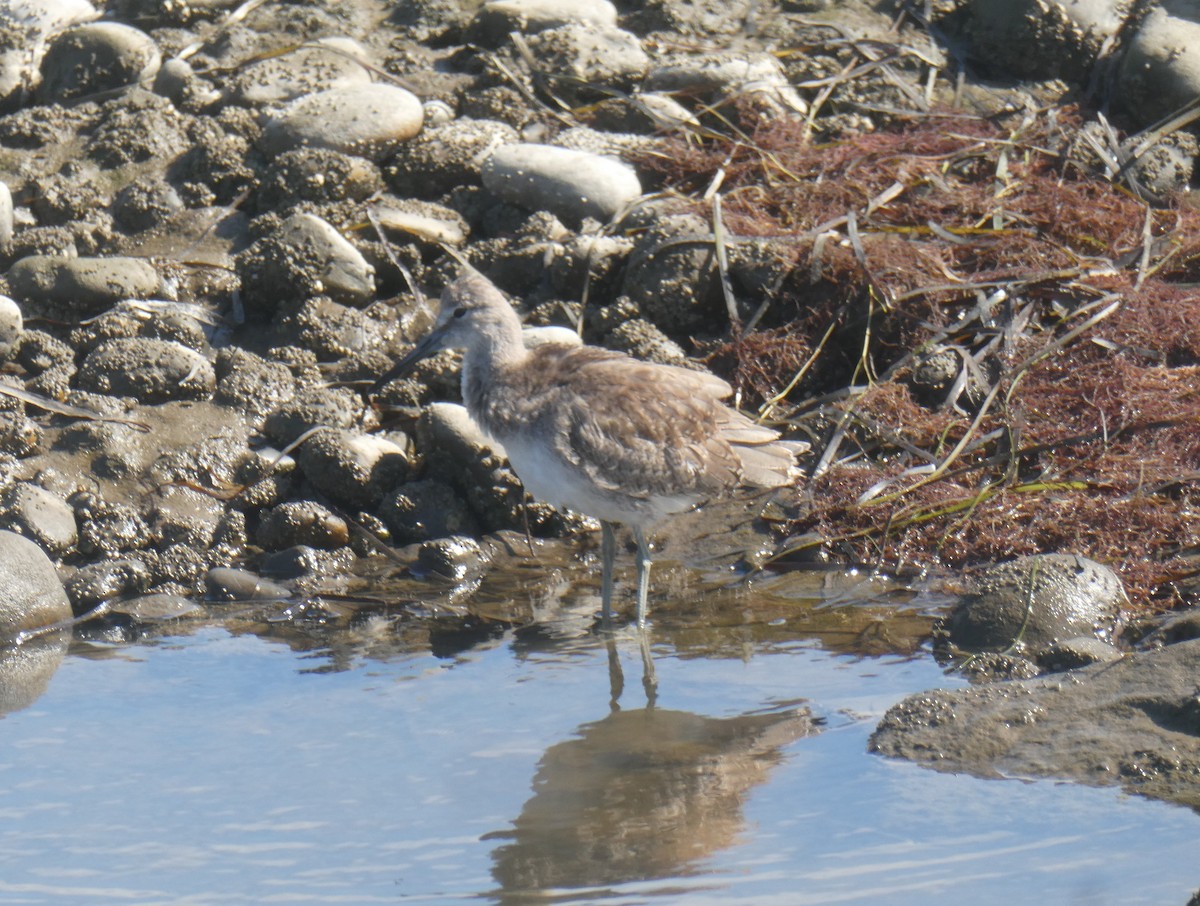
{"points": [[635, 427], [644, 429]]}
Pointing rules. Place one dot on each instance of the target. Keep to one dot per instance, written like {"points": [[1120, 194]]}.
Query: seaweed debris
{"points": [[994, 346]]}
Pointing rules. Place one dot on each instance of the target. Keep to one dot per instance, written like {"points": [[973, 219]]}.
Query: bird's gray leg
{"points": [[608, 553], [643, 575], [649, 676]]}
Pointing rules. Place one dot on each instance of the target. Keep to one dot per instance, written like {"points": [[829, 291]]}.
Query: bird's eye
{"points": [[459, 312]]}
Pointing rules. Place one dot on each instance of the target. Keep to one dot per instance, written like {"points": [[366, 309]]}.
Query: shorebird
{"points": [[598, 432]]}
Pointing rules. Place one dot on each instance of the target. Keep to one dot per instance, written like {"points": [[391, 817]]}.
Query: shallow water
{"points": [[213, 765]]}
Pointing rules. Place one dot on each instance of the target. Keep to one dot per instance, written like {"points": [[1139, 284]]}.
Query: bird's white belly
{"points": [[551, 480]]}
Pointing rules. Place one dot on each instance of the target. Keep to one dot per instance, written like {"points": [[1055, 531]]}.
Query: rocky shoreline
{"points": [[218, 224]]}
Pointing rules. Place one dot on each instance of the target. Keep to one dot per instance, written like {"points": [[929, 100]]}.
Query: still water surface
{"points": [[211, 766]]}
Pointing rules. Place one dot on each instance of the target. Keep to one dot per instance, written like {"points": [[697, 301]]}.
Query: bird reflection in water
{"points": [[639, 795]]}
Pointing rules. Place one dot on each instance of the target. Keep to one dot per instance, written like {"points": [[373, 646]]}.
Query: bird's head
{"points": [[473, 314]]}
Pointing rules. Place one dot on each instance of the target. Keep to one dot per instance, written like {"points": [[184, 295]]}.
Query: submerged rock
{"points": [[155, 608], [303, 563], [1133, 722], [225, 585]]}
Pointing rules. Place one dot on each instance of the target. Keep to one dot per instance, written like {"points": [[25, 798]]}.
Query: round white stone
{"points": [[539, 14], [365, 120], [570, 184]]}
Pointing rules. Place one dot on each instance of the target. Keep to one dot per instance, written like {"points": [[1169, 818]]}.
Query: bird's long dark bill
{"points": [[425, 348]]}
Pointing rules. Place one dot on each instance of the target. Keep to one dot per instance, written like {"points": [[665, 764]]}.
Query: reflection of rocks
{"points": [[25, 669], [1133, 722], [640, 794]]}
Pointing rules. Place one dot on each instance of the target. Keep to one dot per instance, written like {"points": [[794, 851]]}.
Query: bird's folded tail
{"points": [[767, 461], [770, 465]]}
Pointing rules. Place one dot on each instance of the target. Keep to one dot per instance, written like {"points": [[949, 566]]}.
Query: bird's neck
{"points": [[484, 363]]}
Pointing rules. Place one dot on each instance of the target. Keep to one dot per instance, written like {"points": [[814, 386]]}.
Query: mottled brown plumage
{"points": [[599, 432]]}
